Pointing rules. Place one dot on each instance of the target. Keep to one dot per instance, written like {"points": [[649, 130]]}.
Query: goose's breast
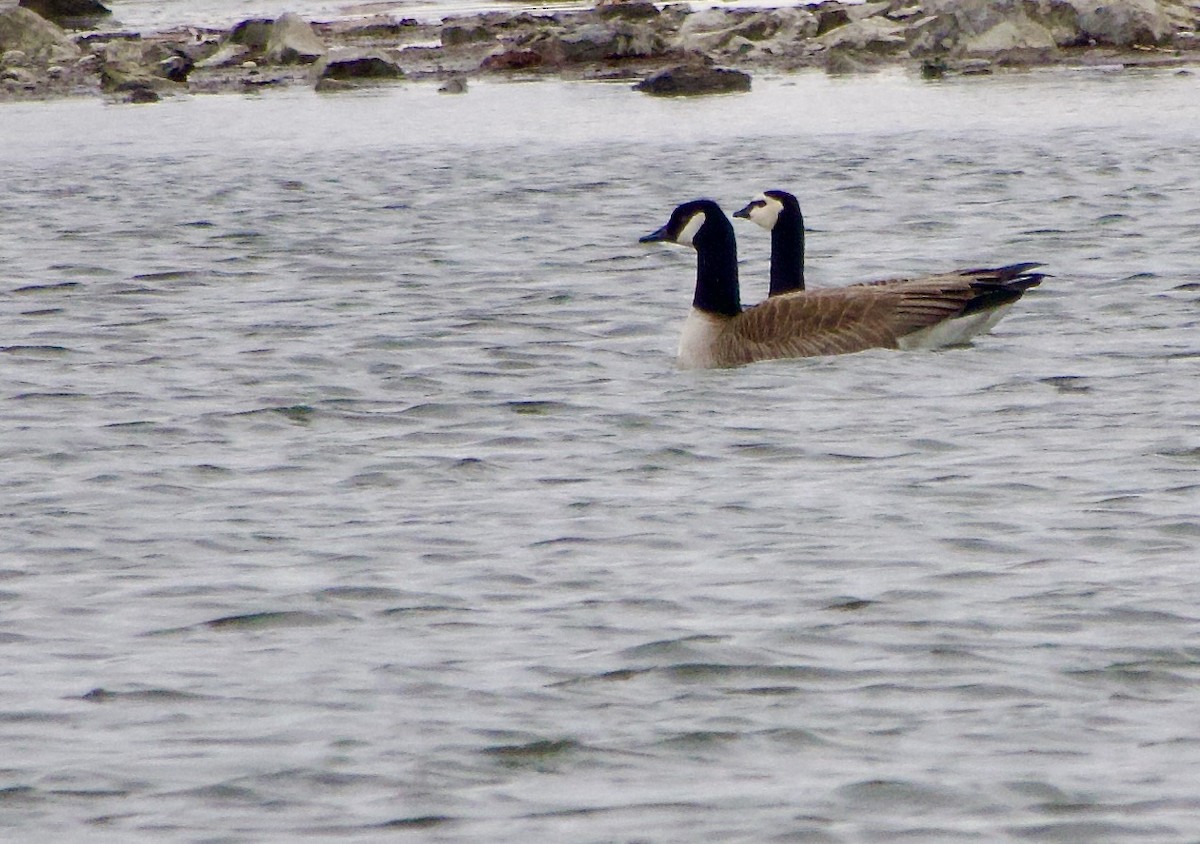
{"points": [[697, 341]]}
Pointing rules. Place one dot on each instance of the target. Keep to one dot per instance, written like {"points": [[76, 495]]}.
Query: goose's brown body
{"points": [[926, 312], [898, 313]]}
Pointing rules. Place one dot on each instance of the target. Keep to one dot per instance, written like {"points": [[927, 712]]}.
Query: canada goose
{"points": [[927, 312], [779, 213]]}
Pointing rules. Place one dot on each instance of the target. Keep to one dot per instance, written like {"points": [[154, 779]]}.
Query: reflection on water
{"points": [[349, 485]]}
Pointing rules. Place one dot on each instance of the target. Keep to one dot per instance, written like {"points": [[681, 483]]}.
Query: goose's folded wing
{"points": [[833, 321], [1010, 274], [808, 323]]}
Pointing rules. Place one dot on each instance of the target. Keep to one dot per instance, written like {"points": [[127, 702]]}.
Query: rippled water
{"points": [[349, 491]]}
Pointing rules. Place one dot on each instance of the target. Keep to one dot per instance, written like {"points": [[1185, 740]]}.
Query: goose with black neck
{"points": [[927, 312], [779, 213]]}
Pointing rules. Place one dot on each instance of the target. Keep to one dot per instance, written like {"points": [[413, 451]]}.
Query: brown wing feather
{"points": [[840, 320]]}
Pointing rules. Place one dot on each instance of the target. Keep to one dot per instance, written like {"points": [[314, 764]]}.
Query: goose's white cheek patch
{"points": [[767, 214], [687, 235]]}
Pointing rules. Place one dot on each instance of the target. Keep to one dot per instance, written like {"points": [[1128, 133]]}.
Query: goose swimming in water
{"points": [[927, 312], [779, 213]]}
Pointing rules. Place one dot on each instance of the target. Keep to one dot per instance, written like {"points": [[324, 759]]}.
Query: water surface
{"points": [[349, 490]]}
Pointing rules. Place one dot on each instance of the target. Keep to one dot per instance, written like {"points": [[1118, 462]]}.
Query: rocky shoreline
{"points": [[666, 50]]}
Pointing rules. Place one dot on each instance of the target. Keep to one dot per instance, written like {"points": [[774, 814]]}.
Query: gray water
{"points": [[348, 490]]}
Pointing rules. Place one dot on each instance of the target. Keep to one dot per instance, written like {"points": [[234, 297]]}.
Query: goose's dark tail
{"points": [[1001, 285]]}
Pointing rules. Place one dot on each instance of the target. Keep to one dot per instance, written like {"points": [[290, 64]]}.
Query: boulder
{"points": [[252, 34], [39, 40], [69, 13], [1027, 29], [795, 28], [1021, 39], [694, 80], [371, 66], [869, 35], [454, 35], [512, 60], [1061, 20], [227, 55], [176, 67], [903, 13], [1124, 23], [20, 77], [716, 29], [595, 42], [291, 40], [129, 66], [862, 11], [838, 63], [141, 95], [830, 16], [633, 10]]}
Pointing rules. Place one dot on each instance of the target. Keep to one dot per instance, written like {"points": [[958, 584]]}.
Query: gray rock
{"points": [[368, 66], [33, 35], [141, 94], [600, 42], [14, 58], [20, 77], [454, 35], [176, 67], [903, 13], [694, 80], [1019, 29], [714, 29], [1020, 39], [830, 16], [1124, 23], [796, 26], [838, 63], [291, 40], [512, 60], [862, 11], [635, 10], [254, 34], [704, 30], [227, 55], [1061, 20], [455, 85], [869, 35], [69, 13], [129, 65]]}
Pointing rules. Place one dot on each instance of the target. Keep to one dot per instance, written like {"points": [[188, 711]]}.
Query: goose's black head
{"points": [[778, 212], [768, 207], [703, 225], [691, 224]]}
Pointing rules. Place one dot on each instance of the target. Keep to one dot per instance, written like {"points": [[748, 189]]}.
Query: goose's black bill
{"points": [[656, 236], [745, 212]]}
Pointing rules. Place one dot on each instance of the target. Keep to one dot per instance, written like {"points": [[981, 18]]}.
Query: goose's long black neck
{"points": [[787, 252], [717, 289]]}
